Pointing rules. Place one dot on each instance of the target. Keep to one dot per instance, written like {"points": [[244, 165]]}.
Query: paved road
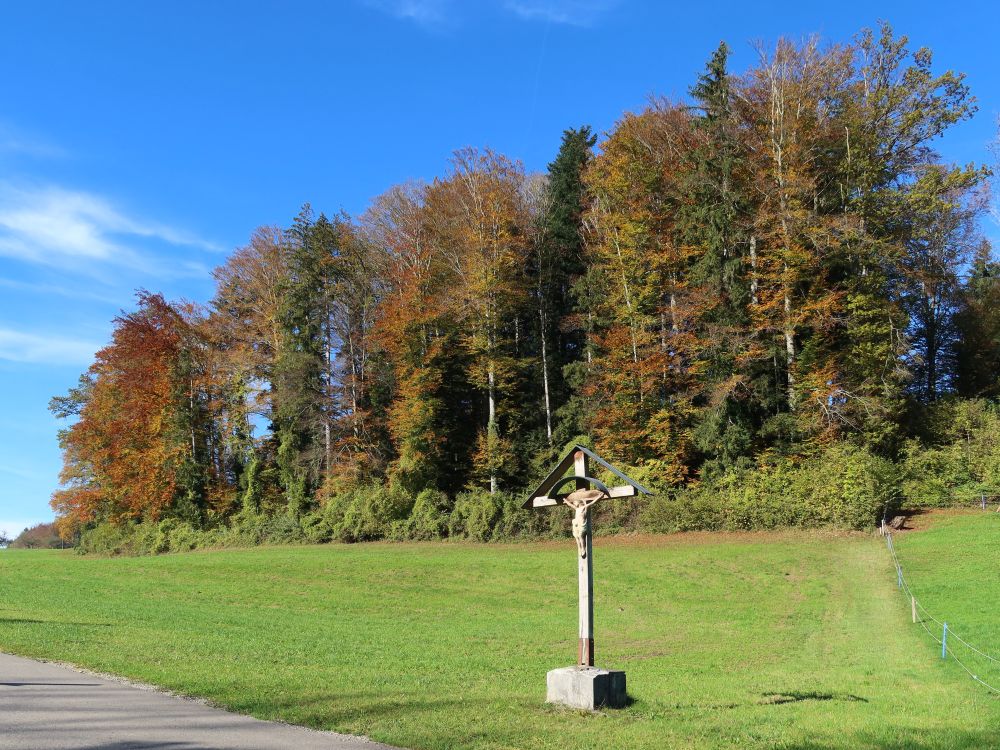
{"points": [[47, 707]]}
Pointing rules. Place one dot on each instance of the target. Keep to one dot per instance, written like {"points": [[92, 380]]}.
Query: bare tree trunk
{"points": [[789, 350], [545, 373], [753, 270], [491, 425], [931, 327], [492, 432], [191, 407], [628, 301], [777, 127], [354, 383], [328, 352], [590, 338], [663, 352]]}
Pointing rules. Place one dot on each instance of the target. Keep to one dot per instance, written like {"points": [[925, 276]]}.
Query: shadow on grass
{"points": [[327, 710], [795, 696], [30, 621], [775, 699], [324, 710]]}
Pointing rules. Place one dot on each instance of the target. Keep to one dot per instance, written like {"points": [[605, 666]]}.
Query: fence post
{"points": [[982, 496], [944, 642], [913, 607], [899, 576]]}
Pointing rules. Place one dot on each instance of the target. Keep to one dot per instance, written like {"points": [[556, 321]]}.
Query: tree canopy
{"points": [[778, 264]]}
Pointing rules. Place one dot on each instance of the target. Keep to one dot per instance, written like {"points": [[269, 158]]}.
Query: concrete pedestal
{"points": [[588, 688]]}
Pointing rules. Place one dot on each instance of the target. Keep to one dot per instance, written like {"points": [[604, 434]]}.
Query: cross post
{"points": [[585, 654], [583, 685]]}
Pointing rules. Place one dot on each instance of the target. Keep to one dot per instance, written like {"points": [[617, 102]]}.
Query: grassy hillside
{"points": [[753, 641]]}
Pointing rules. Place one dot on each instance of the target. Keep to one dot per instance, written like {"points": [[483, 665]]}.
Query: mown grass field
{"points": [[950, 565], [785, 640]]}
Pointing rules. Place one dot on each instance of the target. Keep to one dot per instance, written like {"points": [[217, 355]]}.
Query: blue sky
{"points": [[140, 142]]}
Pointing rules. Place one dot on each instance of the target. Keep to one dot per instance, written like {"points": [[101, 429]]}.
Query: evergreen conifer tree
{"points": [[300, 388], [560, 270]]}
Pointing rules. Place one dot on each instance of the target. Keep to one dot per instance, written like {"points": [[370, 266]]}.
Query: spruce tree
{"points": [[713, 223], [300, 414], [560, 269]]}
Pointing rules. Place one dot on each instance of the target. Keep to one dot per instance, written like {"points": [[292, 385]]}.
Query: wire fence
{"points": [[947, 637], [984, 499]]}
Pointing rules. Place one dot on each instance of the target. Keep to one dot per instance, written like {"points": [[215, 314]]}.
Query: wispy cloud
{"points": [[51, 225], [438, 14], [33, 348], [427, 13], [45, 290], [20, 473], [14, 142], [568, 12]]}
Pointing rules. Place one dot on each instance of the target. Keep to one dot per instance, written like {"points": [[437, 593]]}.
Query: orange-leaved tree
{"points": [[136, 449]]}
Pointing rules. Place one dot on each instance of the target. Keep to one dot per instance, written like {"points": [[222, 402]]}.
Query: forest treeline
{"points": [[772, 302]]}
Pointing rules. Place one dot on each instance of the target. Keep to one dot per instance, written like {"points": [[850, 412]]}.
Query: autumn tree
{"points": [[359, 388], [792, 101], [779, 262], [480, 225], [430, 417], [137, 447], [246, 334], [645, 308], [897, 107]]}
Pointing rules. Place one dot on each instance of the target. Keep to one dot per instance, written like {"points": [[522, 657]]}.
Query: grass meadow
{"points": [[779, 640]]}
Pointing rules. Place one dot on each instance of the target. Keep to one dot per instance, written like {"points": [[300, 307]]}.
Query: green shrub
{"points": [[763, 499], [183, 537], [245, 529], [868, 487], [483, 517], [283, 528], [316, 528], [515, 522], [144, 538], [372, 512], [475, 514], [844, 487], [429, 516], [108, 539], [696, 509], [931, 475], [964, 462], [159, 542]]}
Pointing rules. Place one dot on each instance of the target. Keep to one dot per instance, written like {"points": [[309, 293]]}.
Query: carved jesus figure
{"points": [[580, 501]]}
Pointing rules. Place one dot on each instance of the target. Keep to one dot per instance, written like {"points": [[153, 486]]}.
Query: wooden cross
{"points": [[587, 492]]}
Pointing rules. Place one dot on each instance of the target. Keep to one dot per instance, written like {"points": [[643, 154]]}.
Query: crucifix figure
{"points": [[588, 491], [580, 501]]}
